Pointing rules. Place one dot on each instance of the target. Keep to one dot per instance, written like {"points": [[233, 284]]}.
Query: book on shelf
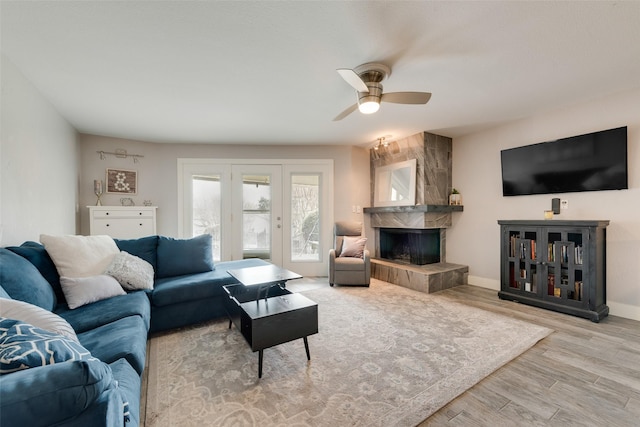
{"points": [[551, 284], [578, 254], [533, 249], [512, 278], [512, 245], [534, 280], [577, 294]]}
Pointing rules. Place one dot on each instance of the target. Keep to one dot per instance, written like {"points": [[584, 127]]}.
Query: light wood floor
{"points": [[583, 374]]}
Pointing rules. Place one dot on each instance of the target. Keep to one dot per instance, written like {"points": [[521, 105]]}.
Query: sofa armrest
{"points": [[52, 394], [332, 264], [367, 265]]}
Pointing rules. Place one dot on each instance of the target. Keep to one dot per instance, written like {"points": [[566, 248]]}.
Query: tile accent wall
{"points": [[433, 186], [434, 163]]}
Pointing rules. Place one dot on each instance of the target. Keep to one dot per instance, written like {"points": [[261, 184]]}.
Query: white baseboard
{"points": [[483, 282], [624, 310]]}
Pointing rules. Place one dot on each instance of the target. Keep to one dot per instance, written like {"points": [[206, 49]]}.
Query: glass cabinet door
{"points": [[522, 268], [564, 257]]}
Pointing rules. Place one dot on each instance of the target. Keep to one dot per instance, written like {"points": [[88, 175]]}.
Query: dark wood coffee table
{"points": [[276, 319], [264, 277]]}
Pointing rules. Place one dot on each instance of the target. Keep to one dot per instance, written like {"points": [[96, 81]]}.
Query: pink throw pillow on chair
{"points": [[353, 246]]}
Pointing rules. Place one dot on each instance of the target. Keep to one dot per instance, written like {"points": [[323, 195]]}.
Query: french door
{"points": [[256, 216], [281, 212]]}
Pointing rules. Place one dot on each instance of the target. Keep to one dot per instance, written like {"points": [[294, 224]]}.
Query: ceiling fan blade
{"points": [[346, 112], [406, 97], [353, 79]]}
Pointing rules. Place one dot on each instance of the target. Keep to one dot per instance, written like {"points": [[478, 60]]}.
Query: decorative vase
{"points": [[455, 199], [97, 190]]}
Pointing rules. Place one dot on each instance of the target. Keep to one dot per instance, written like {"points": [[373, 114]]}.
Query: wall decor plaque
{"points": [[122, 181]]}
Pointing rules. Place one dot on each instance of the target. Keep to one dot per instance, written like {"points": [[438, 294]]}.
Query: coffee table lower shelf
{"points": [[267, 322]]}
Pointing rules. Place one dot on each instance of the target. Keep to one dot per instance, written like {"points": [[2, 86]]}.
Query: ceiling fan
{"points": [[365, 79]]}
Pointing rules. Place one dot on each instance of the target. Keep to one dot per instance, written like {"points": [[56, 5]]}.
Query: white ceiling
{"points": [[264, 72]]}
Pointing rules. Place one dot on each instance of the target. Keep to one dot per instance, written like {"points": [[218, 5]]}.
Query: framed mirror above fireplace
{"points": [[395, 184]]}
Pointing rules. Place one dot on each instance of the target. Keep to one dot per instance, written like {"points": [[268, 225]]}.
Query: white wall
{"points": [[39, 173], [157, 172], [474, 237]]}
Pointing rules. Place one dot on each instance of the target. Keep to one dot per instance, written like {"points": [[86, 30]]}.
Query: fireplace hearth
{"points": [[412, 246]]}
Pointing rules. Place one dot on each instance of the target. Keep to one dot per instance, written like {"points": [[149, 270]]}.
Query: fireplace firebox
{"points": [[414, 246]]}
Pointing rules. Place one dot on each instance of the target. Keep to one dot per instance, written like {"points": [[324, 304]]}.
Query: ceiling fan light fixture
{"points": [[369, 102], [368, 107]]}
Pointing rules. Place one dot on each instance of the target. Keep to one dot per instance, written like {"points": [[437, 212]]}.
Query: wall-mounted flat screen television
{"points": [[591, 162]]}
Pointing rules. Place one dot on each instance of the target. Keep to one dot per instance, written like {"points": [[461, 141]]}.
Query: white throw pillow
{"points": [[353, 246], [79, 291], [80, 256], [131, 272], [36, 316]]}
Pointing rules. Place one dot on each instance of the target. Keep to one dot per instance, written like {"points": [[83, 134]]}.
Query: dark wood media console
{"points": [[555, 264]]}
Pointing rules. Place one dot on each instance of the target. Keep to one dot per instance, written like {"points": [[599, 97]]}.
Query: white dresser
{"points": [[122, 222]]}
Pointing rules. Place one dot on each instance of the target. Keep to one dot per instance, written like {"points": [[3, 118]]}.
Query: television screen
{"points": [[591, 162]]}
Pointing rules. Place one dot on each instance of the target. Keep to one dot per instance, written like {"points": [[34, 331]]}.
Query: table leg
{"points": [[230, 323], [306, 347], [260, 352]]}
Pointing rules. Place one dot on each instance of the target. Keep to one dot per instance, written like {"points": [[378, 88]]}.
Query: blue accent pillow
{"points": [[22, 281], [177, 257], [38, 256], [24, 346], [144, 247]]}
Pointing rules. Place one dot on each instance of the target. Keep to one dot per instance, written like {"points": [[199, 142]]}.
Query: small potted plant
{"points": [[455, 198]]}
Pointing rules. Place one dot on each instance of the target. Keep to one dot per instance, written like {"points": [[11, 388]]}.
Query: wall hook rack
{"points": [[121, 154]]}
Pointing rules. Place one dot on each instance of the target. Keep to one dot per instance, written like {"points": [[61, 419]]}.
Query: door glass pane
{"points": [[256, 216], [305, 217], [206, 209]]}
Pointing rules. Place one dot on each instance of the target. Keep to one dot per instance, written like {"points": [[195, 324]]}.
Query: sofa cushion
{"points": [[38, 256], [125, 338], [106, 311], [79, 291], [24, 346], [80, 256], [177, 257], [144, 247], [349, 264], [174, 290], [52, 394], [133, 273], [22, 281], [36, 316]]}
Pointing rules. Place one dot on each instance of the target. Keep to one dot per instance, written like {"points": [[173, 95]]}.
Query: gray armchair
{"points": [[348, 270]]}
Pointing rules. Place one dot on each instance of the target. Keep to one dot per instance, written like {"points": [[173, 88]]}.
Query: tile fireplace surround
{"points": [[426, 278], [432, 211]]}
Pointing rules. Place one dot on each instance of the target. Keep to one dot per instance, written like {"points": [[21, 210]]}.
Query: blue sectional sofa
{"points": [[102, 387]]}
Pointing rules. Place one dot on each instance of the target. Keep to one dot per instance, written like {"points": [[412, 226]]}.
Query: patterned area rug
{"points": [[384, 356]]}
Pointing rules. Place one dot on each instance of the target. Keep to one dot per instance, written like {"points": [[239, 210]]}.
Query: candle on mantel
{"points": [[97, 186]]}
